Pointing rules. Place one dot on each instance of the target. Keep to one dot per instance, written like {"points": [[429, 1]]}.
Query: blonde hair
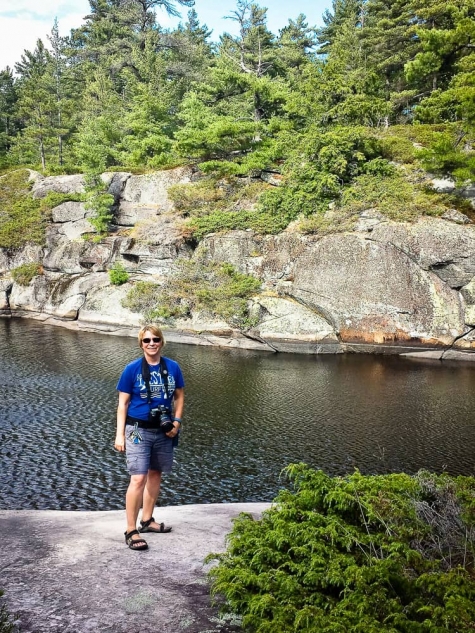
{"points": [[154, 329]]}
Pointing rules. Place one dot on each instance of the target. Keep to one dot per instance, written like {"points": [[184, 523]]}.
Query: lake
{"points": [[248, 415]]}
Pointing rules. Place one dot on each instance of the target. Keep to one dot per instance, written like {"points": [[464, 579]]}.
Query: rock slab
{"points": [[70, 572]]}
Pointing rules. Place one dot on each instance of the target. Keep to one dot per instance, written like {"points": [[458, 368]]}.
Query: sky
{"points": [[22, 22]]}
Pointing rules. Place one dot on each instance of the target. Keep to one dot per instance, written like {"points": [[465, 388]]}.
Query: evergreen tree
{"points": [[389, 40], [350, 90], [8, 104], [296, 43], [101, 130], [445, 64], [62, 88], [346, 12], [187, 53], [37, 106], [229, 114], [152, 101], [248, 62]]}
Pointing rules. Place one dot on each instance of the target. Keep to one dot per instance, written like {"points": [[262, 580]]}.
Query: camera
{"points": [[162, 416]]}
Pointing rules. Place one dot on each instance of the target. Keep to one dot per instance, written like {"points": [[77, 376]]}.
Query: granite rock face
{"points": [[145, 197], [386, 287], [436, 245], [373, 293]]}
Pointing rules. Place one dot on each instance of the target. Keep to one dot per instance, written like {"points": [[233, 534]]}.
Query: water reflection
{"points": [[248, 415]]}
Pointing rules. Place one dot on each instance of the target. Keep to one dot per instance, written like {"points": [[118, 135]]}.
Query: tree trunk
{"points": [[42, 154], [60, 141]]}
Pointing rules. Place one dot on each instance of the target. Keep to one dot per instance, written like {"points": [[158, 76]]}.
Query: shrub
{"points": [[118, 275], [142, 298], [446, 155], [196, 285], [23, 218], [98, 200], [7, 622], [374, 554], [320, 165], [25, 273], [394, 196], [399, 149], [214, 205]]}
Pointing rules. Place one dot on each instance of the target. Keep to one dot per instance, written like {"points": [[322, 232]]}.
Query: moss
{"points": [[26, 272]]}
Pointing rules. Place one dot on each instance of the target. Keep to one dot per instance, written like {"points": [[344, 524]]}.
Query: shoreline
{"points": [[238, 340]]}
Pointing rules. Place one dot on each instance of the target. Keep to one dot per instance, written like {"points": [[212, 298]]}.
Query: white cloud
{"points": [[22, 22], [16, 34], [45, 8]]}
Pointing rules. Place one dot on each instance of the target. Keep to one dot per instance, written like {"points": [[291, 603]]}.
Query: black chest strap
{"points": [[163, 374]]}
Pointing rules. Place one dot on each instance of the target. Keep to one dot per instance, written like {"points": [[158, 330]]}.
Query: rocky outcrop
{"points": [[70, 572], [386, 287], [145, 197]]}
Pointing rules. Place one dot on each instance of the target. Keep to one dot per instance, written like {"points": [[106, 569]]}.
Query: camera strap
{"points": [[163, 374]]}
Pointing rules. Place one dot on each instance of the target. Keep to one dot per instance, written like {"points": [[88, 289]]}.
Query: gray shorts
{"points": [[154, 452]]}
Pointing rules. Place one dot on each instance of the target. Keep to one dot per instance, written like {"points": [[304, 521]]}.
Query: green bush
{"points": [[214, 205], [446, 155], [142, 298], [196, 285], [98, 200], [25, 273], [374, 554], [7, 622], [118, 275], [394, 196], [320, 164], [23, 218], [399, 149]]}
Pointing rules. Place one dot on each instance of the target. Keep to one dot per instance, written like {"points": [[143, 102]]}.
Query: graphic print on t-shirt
{"points": [[157, 386]]}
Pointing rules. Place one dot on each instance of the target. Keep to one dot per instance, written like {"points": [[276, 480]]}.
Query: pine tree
{"points": [[296, 44], [445, 65], [8, 103], [349, 12], [250, 59], [351, 91], [187, 53], [37, 106], [62, 88], [101, 130]]}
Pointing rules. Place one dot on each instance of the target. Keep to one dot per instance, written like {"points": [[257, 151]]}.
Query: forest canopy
{"points": [[381, 83]]}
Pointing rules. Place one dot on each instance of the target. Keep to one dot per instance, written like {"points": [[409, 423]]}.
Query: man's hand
{"points": [[119, 443], [174, 431]]}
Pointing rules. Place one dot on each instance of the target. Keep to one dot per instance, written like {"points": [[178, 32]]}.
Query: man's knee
{"points": [[137, 482]]}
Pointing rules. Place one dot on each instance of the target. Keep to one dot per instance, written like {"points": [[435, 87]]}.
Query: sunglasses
{"points": [[155, 339]]}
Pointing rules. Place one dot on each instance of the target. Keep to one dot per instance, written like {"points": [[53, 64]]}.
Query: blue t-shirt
{"points": [[132, 382]]}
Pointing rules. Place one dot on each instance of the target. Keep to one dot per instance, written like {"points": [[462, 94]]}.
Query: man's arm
{"points": [[124, 400], [179, 402]]}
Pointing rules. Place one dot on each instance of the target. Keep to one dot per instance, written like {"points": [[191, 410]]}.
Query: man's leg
{"points": [[133, 501], [150, 495]]}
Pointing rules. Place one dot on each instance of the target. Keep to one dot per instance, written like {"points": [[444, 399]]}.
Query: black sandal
{"points": [[146, 527], [138, 543]]}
